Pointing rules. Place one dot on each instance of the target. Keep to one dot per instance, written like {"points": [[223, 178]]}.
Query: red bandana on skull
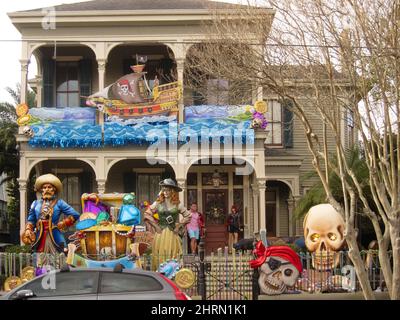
{"points": [[283, 252]]}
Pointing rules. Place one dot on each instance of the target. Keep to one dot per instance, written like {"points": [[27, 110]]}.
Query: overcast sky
{"points": [[11, 45]]}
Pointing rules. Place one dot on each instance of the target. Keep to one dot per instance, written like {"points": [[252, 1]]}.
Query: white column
{"points": [[182, 195], [24, 79], [180, 64], [22, 204], [254, 187], [291, 203], [101, 68], [101, 186], [182, 198], [246, 220], [39, 88], [261, 188]]}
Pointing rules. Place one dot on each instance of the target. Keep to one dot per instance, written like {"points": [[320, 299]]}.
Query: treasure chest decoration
{"points": [[108, 226]]}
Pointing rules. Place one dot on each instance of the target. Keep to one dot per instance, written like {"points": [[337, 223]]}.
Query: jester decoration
{"points": [[166, 218], [44, 229], [280, 267]]}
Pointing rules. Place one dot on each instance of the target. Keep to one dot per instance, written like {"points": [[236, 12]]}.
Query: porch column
{"points": [[261, 189], [22, 204], [39, 87], [182, 199], [291, 204], [180, 64], [101, 68], [24, 79], [101, 186], [255, 207]]}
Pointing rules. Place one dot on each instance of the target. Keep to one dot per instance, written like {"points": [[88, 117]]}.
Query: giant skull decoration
{"points": [[279, 267], [323, 234]]}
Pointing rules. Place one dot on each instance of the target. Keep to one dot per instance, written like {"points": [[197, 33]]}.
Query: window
{"points": [[67, 85], [274, 118], [68, 283], [119, 282]]}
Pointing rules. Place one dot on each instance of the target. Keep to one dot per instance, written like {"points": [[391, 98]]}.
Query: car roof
{"points": [[101, 269]]}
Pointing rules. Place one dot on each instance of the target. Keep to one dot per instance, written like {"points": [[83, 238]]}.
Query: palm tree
{"points": [[317, 195], [9, 155]]}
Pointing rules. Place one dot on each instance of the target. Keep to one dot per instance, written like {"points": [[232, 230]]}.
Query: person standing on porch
{"points": [[195, 227], [234, 227]]}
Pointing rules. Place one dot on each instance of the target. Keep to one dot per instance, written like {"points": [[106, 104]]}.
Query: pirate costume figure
{"points": [[43, 230], [167, 218]]}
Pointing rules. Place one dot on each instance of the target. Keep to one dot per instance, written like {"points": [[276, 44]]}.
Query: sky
{"points": [[10, 42]]}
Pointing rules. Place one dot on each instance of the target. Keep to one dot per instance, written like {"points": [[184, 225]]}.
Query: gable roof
{"points": [[100, 5]]}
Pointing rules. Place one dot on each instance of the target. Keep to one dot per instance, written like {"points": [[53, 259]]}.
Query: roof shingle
{"points": [[97, 5]]}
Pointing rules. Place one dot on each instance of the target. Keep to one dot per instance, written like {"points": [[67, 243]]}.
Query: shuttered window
{"points": [[280, 123], [66, 83]]}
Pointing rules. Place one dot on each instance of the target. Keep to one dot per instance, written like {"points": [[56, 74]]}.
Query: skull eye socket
{"points": [[315, 237], [273, 264], [288, 272], [332, 236]]}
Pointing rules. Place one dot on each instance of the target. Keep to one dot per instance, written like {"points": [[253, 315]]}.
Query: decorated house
{"points": [[91, 55]]}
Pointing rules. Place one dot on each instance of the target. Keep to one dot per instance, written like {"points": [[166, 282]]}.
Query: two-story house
{"points": [[82, 48]]}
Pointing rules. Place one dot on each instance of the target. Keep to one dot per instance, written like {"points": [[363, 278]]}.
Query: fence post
{"points": [[202, 275], [254, 284]]}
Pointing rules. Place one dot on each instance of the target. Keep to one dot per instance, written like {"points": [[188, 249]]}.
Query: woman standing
{"points": [[234, 227], [166, 217]]}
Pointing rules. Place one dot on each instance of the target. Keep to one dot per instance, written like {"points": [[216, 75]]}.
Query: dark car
{"points": [[98, 284]]}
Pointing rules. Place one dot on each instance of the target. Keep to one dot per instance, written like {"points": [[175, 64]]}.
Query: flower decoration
{"points": [[258, 121]]}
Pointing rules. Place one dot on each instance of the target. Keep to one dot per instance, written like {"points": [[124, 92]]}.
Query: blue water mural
{"points": [[78, 130]]}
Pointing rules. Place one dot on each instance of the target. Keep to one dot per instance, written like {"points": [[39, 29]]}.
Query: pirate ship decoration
{"points": [[131, 96]]}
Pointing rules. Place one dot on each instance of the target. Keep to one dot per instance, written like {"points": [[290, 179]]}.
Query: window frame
{"points": [[67, 92], [272, 123]]}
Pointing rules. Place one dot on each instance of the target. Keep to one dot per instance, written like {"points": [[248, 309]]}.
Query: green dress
{"points": [[167, 244]]}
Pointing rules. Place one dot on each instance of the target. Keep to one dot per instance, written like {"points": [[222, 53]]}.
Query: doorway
{"points": [[215, 207]]}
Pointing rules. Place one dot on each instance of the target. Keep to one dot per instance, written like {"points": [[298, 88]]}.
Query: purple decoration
{"points": [[259, 120], [92, 207]]}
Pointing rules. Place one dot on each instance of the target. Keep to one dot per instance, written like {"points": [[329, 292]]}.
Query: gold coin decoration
{"points": [[11, 283], [261, 106], [27, 274], [21, 109], [185, 278], [21, 121]]}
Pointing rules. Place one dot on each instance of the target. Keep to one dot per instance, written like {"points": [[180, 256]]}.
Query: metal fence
{"points": [[222, 276]]}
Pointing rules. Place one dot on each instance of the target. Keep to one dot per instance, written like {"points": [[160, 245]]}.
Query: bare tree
{"points": [[335, 61]]}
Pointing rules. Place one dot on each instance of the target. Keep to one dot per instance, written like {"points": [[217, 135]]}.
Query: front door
{"points": [[215, 204]]}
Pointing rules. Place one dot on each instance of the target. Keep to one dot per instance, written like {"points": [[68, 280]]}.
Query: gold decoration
{"points": [[21, 109], [27, 274], [185, 278], [11, 283], [21, 121], [261, 106]]}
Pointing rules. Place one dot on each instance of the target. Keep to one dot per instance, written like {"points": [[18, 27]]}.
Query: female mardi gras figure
{"points": [[172, 218], [44, 216]]}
